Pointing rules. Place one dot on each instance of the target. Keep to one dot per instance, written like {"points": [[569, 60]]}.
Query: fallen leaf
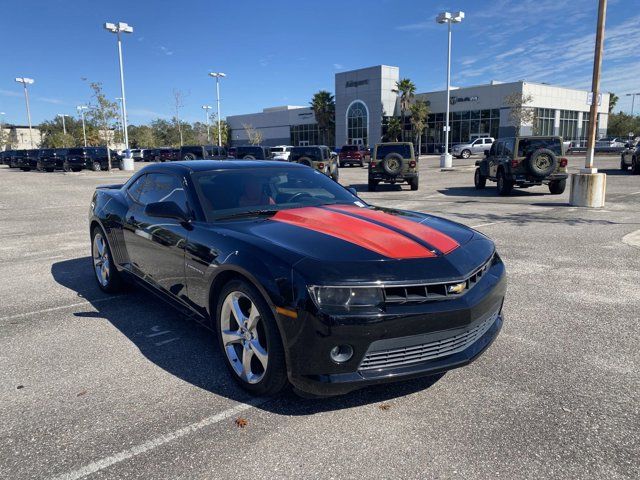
{"points": [[83, 392], [241, 422], [20, 387], [384, 406]]}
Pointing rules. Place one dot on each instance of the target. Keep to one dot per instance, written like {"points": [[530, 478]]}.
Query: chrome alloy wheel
{"points": [[101, 264], [244, 337]]}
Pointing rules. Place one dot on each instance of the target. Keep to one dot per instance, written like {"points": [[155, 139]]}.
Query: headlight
{"points": [[346, 298]]}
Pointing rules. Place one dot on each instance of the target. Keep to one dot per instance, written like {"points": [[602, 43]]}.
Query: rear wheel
{"points": [[189, 156], [96, 167], [505, 186], [249, 339], [413, 183], [66, 166], [108, 278], [479, 180], [465, 153], [557, 187]]}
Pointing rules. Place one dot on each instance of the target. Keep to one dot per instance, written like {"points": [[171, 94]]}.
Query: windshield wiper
{"points": [[249, 213]]}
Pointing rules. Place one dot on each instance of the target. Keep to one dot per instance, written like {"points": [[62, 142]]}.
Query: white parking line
{"points": [[487, 224], [159, 441], [53, 309]]}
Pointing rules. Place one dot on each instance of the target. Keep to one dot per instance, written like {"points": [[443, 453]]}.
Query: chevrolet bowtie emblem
{"points": [[457, 287]]}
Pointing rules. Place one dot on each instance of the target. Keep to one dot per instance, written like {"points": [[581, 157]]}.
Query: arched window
{"points": [[357, 123]]}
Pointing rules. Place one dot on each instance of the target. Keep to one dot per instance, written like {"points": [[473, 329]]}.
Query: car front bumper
{"points": [[415, 339]]}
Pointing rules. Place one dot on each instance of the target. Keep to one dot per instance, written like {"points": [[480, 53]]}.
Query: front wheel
{"points": [[465, 154], [414, 183], [505, 186], [105, 273], [479, 180], [557, 187], [249, 339], [96, 167]]}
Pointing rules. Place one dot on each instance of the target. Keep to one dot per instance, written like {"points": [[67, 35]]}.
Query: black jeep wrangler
{"points": [[202, 152], [523, 161], [318, 157], [393, 162], [252, 152]]}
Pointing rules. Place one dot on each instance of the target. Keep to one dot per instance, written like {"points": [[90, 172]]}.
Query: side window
{"points": [[500, 148], [161, 187], [494, 149], [136, 187], [508, 146], [488, 141]]}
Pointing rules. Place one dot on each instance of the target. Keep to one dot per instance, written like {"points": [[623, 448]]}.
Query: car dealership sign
{"points": [[358, 83], [454, 100]]}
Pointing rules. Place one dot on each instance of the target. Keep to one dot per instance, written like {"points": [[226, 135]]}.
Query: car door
{"points": [[477, 146], [156, 245], [494, 158]]}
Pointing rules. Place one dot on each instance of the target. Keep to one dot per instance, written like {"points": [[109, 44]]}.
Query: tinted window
{"points": [[499, 148], [161, 187], [384, 150], [508, 146], [135, 188], [488, 141], [529, 145], [350, 148], [233, 191], [277, 149]]}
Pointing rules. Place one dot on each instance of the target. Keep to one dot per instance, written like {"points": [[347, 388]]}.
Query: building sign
{"points": [[454, 100], [353, 83], [305, 114]]}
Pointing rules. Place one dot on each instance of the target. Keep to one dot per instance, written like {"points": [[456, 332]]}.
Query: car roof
{"points": [[207, 165]]}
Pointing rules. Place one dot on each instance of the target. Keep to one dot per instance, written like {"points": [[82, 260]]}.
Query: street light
{"points": [[633, 99], [121, 116], [122, 27], [64, 125], [27, 81], [448, 18], [81, 109], [217, 76], [206, 109]]}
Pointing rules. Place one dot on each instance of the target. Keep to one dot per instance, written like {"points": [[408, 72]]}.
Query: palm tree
{"points": [[419, 114], [407, 90], [324, 109], [613, 100], [394, 129]]}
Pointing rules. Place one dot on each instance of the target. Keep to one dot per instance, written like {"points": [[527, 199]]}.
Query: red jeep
{"points": [[354, 155]]}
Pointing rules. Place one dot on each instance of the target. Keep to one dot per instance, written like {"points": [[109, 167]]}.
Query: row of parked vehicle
{"points": [[67, 159]]}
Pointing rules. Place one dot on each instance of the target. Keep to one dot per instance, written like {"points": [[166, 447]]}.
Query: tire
{"points": [[542, 162], [105, 273], [505, 186], [96, 167], [479, 180], [248, 157], [336, 174], [361, 163], [392, 163], [254, 354], [189, 156], [414, 183], [305, 161], [372, 184], [623, 166], [465, 154], [66, 166], [557, 187]]}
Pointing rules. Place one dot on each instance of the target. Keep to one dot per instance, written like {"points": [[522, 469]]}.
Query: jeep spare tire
{"points": [[305, 161], [392, 163], [542, 162]]}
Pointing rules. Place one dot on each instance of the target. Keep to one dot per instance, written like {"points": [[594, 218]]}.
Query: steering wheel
{"points": [[298, 196]]}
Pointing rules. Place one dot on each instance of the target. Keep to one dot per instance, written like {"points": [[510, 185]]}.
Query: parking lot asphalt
{"points": [[125, 387]]}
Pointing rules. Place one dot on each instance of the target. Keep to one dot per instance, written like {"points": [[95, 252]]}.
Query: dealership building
{"points": [[366, 98]]}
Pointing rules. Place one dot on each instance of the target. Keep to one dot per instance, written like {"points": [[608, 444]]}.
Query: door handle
{"points": [[132, 219]]}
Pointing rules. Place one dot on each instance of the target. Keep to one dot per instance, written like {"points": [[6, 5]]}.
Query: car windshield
{"points": [[529, 145], [384, 150], [234, 192]]}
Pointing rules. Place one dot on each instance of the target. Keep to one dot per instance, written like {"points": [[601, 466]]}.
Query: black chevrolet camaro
{"points": [[302, 281]]}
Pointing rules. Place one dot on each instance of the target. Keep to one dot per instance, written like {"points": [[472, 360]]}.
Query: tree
{"points": [[224, 132], [622, 124], [100, 116], [406, 89], [519, 112], [141, 136], [613, 101], [419, 113], [324, 109], [255, 136], [394, 129], [53, 136], [178, 103]]}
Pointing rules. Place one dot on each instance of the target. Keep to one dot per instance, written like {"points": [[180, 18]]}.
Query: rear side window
{"points": [[500, 148], [508, 146], [161, 187], [136, 187], [488, 141], [384, 150], [527, 146]]}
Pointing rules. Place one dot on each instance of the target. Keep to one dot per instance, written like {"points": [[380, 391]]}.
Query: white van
{"points": [[281, 152]]}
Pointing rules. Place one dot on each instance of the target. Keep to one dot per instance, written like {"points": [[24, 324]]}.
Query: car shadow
{"points": [[614, 171], [489, 192], [382, 187], [189, 351]]}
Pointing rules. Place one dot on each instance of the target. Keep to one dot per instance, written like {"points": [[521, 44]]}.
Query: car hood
{"points": [[348, 243]]}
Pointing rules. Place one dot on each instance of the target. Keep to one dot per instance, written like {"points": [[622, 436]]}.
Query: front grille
{"points": [[400, 357], [421, 293]]}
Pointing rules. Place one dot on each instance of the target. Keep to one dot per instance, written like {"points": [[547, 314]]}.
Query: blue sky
{"points": [[280, 52]]}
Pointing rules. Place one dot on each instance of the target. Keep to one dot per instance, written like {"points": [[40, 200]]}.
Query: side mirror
{"points": [[165, 210], [487, 152], [353, 191]]}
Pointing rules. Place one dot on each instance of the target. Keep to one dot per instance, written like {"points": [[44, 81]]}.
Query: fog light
{"points": [[341, 353]]}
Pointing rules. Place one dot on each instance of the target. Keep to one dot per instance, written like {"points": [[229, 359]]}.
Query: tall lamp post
{"points": [[64, 125], [633, 99], [217, 76], [122, 27], [119, 99], [81, 109], [27, 81], [206, 109], [446, 17]]}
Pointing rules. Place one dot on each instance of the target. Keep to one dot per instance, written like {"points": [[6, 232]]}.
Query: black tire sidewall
{"points": [[479, 180], [275, 378], [465, 154], [503, 184]]}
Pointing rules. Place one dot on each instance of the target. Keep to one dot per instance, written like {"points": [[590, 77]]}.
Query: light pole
{"points": [[122, 27], [217, 76], [121, 116], [64, 125], [448, 18], [633, 99], [206, 109], [81, 109], [27, 81]]}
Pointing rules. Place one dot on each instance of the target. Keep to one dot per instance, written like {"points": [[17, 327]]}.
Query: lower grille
{"points": [[399, 357]]}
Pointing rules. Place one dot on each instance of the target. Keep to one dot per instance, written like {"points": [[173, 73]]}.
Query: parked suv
{"points": [[92, 158], [281, 152], [353, 155], [393, 162], [50, 159], [168, 154], [27, 160], [318, 157], [6, 157], [202, 152], [252, 152], [630, 157], [477, 146], [524, 161]]}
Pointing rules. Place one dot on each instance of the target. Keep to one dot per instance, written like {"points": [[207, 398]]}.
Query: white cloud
{"points": [[338, 66], [10, 93], [165, 50]]}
